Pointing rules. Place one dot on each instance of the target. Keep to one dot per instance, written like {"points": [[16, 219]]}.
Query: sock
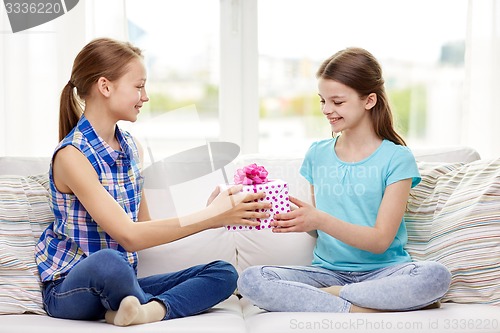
{"points": [[132, 312]]}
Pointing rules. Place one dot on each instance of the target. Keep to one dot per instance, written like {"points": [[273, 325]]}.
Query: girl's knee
{"points": [[443, 277], [224, 268], [250, 274], [107, 255], [438, 276], [226, 273], [249, 279], [109, 264]]}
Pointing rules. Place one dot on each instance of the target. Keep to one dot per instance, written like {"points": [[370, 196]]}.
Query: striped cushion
{"points": [[24, 214], [454, 217]]}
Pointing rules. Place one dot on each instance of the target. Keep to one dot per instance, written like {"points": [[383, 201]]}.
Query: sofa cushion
{"points": [[200, 248], [454, 217], [24, 166], [448, 154], [24, 214], [452, 318], [225, 317]]}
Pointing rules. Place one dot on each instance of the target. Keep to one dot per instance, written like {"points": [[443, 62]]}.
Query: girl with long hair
{"points": [[360, 179], [87, 258]]}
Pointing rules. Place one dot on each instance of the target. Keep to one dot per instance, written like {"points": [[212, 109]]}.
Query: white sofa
{"points": [[462, 233]]}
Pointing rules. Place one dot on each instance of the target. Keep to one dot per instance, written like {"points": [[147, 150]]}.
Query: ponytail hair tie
{"points": [[71, 84]]}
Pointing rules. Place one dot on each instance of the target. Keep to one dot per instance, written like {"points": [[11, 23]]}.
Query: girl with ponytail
{"points": [[87, 258]]}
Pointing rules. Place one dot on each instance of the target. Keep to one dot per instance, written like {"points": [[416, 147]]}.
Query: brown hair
{"points": [[102, 57], [359, 70]]}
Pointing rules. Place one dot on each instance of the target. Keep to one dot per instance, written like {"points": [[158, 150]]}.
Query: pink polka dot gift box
{"points": [[254, 179]]}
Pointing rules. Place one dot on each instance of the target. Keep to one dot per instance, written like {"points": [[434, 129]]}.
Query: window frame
{"points": [[238, 87]]}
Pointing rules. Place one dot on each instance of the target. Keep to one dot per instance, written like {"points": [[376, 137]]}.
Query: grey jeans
{"points": [[401, 287]]}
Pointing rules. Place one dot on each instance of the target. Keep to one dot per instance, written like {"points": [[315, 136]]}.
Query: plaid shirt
{"points": [[74, 235]]}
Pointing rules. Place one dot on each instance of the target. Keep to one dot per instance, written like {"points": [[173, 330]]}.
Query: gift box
{"points": [[254, 179]]}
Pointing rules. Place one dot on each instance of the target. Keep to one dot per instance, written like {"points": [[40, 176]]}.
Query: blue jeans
{"points": [[99, 283], [401, 287]]}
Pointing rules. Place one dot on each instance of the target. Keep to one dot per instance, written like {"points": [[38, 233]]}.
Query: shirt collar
{"points": [[103, 149]]}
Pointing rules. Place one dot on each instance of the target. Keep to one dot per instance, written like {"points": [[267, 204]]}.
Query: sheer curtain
{"points": [[482, 60], [34, 66]]}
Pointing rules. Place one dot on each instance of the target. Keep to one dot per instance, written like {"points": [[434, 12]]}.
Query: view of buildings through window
{"points": [[420, 44]]}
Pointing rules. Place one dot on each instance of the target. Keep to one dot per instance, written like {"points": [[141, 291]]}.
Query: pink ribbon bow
{"points": [[251, 174]]}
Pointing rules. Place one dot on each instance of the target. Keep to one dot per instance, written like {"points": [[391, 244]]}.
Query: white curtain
{"points": [[34, 66], [482, 83]]}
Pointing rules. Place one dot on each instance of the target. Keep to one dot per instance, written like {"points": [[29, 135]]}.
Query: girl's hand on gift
{"points": [[302, 218], [213, 195], [235, 207]]}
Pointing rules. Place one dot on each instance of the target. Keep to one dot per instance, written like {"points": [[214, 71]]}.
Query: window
{"points": [[243, 70], [180, 40], [420, 45], [192, 57]]}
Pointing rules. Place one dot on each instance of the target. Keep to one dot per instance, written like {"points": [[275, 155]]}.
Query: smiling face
{"points": [[342, 106], [129, 92]]}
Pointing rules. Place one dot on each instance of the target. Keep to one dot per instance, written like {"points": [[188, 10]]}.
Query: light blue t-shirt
{"points": [[353, 192]]}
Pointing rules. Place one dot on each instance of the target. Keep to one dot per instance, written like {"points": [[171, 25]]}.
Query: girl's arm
{"points": [[143, 214], [74, 174], [314, 232], [376, 239]]}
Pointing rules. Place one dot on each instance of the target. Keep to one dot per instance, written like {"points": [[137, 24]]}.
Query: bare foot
{"points": [[334, 290], [435, 305], [355, 308], [359, 309]]}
